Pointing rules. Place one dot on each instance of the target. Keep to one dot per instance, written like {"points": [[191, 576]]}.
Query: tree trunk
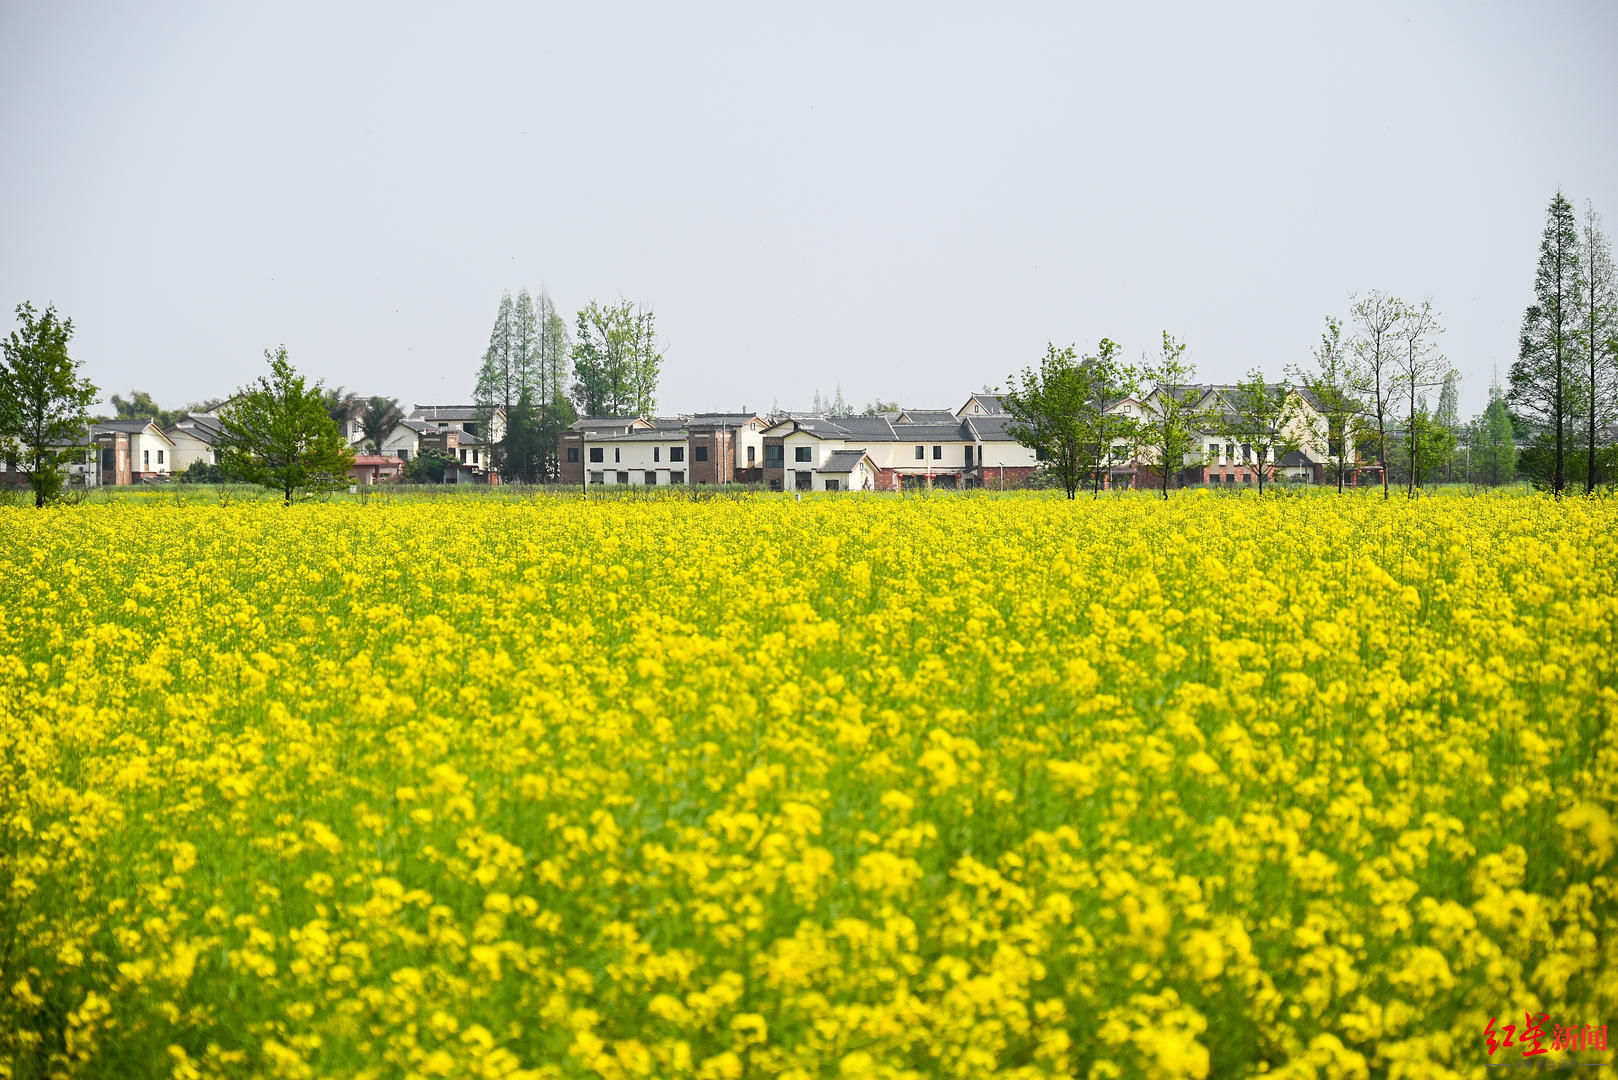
{"points": [[1590, 471]]}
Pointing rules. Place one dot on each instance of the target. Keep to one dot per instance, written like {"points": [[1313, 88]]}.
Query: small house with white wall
{"points": [[196, 438]]}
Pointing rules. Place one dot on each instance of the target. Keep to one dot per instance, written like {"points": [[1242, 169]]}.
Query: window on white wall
{"points": [[921, 453], [802, 453], [938, 453]]}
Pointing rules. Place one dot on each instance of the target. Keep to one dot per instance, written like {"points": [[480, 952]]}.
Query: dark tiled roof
{"points": [[202, 428], [992, 428], [990, 402], [954, 431], [132, 427], [927, 416], [842, 461]]}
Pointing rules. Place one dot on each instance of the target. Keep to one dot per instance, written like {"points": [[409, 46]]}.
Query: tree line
{"points": [[1563, 396], [1368, 382], [541, 380]]}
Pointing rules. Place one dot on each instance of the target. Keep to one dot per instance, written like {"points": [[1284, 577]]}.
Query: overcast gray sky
{"points": [[907, 200]]}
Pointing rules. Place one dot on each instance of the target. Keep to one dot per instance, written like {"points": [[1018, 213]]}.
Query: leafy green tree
{"points": [[341, 406], [552, 410], [616, 360], [1427, 444], [875, 408], [427, 467], [524, 373], [202, 472], [140, 406], [1106, 430], [1049, 406], [43, 400], [278, 432], [1596, 336], [1331, 385], [1267, 417], [378, 417], [1173, 422], [1543, 376]]}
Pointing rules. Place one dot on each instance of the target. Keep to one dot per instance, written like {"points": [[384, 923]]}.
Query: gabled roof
{"points": [[992, 428], [926, 416], [199, 426], [600, 425], [843, 461], [128, 427], [954, 431], [989, 403]]}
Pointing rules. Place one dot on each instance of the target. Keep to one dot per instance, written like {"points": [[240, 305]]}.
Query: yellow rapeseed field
{"points": [[848, 787]]}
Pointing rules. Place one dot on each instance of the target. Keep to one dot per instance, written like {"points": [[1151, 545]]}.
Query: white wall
{"points": [[861, 478], [150, 453], [638, 458], [189, 449], [401, 438], [1011, 455], [750, 434]]}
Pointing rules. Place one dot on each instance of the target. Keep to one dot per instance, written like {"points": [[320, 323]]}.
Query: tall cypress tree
{"points": [[1542, 378]]}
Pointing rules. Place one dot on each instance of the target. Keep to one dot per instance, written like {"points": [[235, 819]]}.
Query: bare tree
{"points": [[1376, 320], [1596, 333], [1418, 366]]}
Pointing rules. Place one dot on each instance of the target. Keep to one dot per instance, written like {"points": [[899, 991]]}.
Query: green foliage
{"points": [[524, 373], [1331, 384], [1049, 407], [616, 361], [1267, 417], [378, 417], [140, 406], [878, 407], [1433, 444], [202, 472], [43, 400], [1494, 446], [1173, 423], [278, 433], [427, 467], [1543, 375]]}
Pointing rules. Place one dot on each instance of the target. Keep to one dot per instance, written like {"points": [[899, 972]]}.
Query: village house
{"points": [[937, 448], [376, 468], [132, 452], [196, 438], [1222, 458], [464, 418]]}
